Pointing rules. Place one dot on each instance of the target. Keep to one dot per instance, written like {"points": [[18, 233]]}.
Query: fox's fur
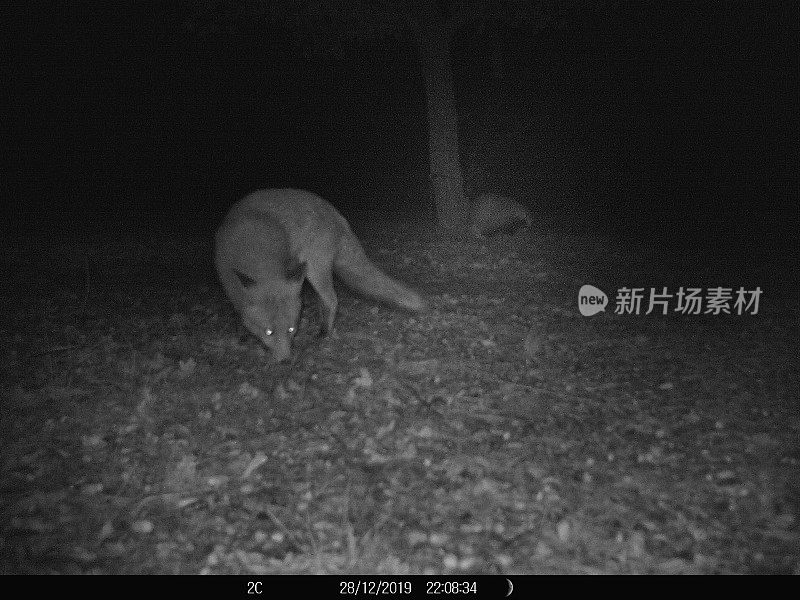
{"points": [[495, 214], [273, 240]]}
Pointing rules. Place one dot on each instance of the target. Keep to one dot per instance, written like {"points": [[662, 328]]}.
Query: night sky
{"points": [[128, 115]]}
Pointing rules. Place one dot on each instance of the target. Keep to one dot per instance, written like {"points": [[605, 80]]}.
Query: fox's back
{"points": [[295, 210]]}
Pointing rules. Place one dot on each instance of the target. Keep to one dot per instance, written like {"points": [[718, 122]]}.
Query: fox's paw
{"points": [[324, 331], [331, 334]]}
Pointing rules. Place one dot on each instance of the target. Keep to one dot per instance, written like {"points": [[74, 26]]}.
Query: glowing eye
{"points": [[291, 329], [268, 332]]}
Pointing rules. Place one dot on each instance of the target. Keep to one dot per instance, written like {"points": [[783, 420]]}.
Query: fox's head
{"points": [[272, 311]]}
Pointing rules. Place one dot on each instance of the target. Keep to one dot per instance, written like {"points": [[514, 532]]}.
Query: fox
{"points": [[273, 240], [493, 214]]}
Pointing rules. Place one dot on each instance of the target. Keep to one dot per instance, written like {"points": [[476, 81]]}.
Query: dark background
{"points": [[673, 125]]}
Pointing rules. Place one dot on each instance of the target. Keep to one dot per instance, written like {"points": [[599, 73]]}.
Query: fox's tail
{"points": [[353, 267]]}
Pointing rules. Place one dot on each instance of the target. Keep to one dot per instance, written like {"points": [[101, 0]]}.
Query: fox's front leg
{"points": [[322, 282]]}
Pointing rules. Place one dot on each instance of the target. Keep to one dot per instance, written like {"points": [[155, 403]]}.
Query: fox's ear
{"points": [[245, 280], [295, 270]]}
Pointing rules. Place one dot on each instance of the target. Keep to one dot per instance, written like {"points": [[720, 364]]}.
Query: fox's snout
{"points": [[280, 349], [280, 356]]}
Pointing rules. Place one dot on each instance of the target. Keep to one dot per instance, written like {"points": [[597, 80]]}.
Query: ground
{"points": [[501, 432]]}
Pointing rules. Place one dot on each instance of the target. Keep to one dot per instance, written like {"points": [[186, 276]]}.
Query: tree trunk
{"points": [[431, 38]]}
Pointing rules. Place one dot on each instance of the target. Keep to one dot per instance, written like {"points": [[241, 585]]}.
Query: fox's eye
{"points": [[268, 332], [291, 330]]}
